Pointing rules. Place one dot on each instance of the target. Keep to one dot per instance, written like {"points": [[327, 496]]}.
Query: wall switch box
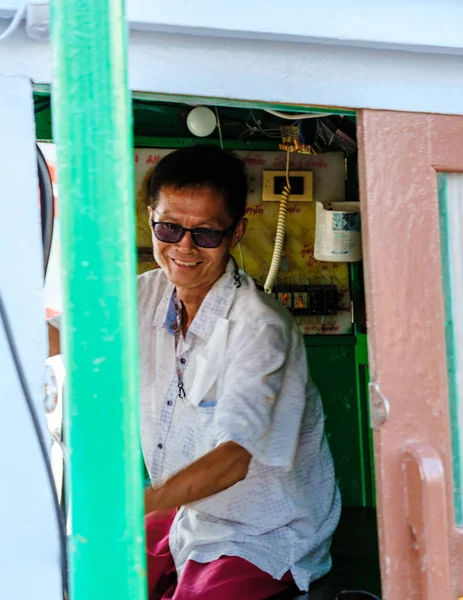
{"points": [[273, 183]]}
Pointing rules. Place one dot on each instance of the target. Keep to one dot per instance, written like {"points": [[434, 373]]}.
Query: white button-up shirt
{"points": [[246, 380]]}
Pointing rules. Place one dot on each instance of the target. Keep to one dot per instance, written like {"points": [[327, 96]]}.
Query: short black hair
{"points": [[203, 165]]}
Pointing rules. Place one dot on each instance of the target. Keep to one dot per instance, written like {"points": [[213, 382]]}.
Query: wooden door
{"points": [[410, 166]]}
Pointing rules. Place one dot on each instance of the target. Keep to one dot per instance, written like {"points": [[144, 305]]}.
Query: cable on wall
{"points": [[15, 21], [296, 117]]}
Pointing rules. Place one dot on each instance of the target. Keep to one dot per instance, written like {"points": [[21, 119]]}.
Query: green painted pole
{"points": [[92, 131]]}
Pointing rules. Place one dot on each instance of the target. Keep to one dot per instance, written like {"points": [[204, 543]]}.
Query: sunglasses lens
{"points": [[171, 233], [168, 232], [207, 238]]}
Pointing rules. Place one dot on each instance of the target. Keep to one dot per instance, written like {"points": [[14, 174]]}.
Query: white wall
{"points": [[401, 24], [29, 550], [296, 73], [425, 25], [331, 72]]}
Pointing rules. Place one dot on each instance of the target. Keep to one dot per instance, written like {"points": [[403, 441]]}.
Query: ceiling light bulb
{"points": [[201, 121]]}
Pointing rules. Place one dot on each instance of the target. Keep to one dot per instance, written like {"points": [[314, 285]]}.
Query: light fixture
{"points": [[201, 121]]}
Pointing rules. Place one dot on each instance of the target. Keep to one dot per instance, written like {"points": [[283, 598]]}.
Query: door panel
{"points": [[401, 157]]}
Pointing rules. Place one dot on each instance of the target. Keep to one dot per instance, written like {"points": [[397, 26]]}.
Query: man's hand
{"points": [[212, 473]]}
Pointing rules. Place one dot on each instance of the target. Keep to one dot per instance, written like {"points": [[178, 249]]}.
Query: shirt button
{"points": [[160, 446], [183, 361], [169, 402]]}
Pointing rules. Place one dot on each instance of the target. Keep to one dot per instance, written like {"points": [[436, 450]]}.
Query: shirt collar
{"points": [[163, 313], [216, 304], [171, 323]]}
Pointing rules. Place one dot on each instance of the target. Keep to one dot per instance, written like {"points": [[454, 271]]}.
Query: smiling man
{"points": [[243, 501]]}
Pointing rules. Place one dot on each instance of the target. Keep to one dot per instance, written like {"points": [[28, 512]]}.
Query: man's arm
{"points": [[212, 473], [54, 346]]}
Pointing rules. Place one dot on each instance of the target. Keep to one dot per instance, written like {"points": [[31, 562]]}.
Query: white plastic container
{"points": [[338, 232]]}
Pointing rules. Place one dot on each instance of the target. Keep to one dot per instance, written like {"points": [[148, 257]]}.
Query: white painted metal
{"points": [[317, 74], [398, 24], [296, 73], [432, 26], [29, 550]]}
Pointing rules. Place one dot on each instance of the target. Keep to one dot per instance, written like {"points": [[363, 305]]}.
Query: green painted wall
{"points": [[334, 369]]}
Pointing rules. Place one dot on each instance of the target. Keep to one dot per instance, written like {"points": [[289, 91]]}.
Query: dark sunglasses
{"points": [[203, 237]]}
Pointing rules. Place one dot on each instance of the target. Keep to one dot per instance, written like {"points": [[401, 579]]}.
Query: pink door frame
{"points": [[400, 155]]}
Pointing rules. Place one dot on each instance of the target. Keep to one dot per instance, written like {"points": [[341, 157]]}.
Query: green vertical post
{"points": [[92, 131]]}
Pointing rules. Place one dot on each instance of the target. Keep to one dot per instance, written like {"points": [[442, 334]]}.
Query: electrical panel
{"points": [[308, 300]]}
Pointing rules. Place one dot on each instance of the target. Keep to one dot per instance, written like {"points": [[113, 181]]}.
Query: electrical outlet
{"points": [[300, 300], [273, 183], [331, 299], [305, 300], [285, 298], [316, 301]]}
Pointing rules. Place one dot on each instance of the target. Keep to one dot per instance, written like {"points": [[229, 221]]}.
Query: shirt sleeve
{"points": [[264, 395]]}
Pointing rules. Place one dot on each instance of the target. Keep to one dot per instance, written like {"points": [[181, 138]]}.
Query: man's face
{"points": [[185, 264]]}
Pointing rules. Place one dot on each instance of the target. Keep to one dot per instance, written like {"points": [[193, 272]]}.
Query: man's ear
{"points": [[240, 230]]}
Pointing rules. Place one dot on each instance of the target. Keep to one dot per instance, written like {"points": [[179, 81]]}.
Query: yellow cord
{"points": [[280, 233]]}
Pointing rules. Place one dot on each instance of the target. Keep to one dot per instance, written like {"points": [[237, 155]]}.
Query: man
{"points": [[232, 429], [243, 501]]}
